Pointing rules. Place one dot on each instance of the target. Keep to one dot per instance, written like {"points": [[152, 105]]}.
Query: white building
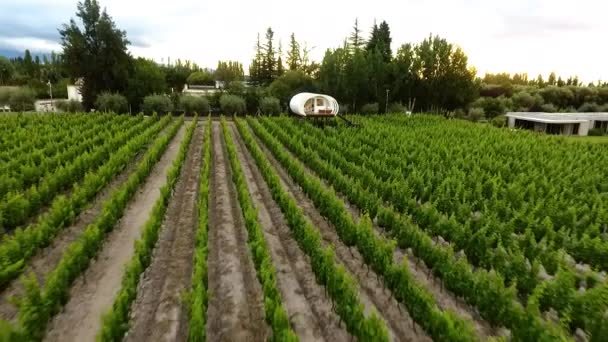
{"points": [[559, 123]]}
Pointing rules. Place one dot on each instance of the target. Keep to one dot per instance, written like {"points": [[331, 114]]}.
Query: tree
{"points": [[29, 67], [356, 40], [109, 102], [203, 77], [270, 105], [291, 83], [294, 60], [269, 62], [160, 104], [229, 71], [146, 78], [552, 79], [97, 52], [280, 68], [255, 69], [7, 70], [232, 104], [384, 41]]}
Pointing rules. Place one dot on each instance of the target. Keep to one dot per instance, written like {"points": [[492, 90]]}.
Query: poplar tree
{"points": [[294, 59]]}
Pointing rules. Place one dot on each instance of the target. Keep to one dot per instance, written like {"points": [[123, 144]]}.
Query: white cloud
{"points": [[533, 36]]}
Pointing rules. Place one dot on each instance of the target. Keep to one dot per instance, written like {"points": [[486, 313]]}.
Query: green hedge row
{"points": [[199, 296], [17, 248], [116, 321], [338, 283], [38, 305], [276, 315]]}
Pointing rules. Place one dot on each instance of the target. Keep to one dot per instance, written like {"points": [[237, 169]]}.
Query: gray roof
{"points": [[559, 117]]}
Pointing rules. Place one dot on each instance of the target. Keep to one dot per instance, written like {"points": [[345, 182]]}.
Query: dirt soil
{"points": [[158, 313], [94, 291], [444, 298], [48, 258], [372, 292], [305, 301], [236, 308]]}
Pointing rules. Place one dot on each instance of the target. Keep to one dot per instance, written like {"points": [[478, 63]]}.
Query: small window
{"points": [[320, 102]]}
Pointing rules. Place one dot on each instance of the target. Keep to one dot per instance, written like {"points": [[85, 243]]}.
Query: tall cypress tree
{"points": [[356, 38], [255, 69], [269, 61], [384, 41], [294, 59], [280, 68]]}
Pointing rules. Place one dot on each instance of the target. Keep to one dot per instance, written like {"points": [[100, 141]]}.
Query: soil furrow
{"points": [[372, 292], [49, 257], [235, 311], [92, 294], [307, 305], [158, 313]]}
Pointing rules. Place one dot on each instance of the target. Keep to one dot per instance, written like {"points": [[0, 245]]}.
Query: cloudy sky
{"points": [[533, 36]]}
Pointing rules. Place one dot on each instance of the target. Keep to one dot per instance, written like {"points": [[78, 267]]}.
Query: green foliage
{"points": [[194, 104], [199, 295], [35, 313], [202, 77], [396, 107], [156, 104], [273, 307], [596, 132], [589, 107], [499, 121], [115, 322], [232, 104], [21, 100], [291, 83], [69, 106], [370, 108], [95, 50], [147, 78], [7, 70], [112, 102], [229, 71], [270, 105]]}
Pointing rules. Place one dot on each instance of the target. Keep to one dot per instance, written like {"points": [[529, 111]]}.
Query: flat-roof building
{"points": [[559, 123]]}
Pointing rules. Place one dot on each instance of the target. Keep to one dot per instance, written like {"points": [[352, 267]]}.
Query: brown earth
{"points": [[158, 313], [236, 308], [305, 301], [49, 257], [93, 293], [372, 292]]}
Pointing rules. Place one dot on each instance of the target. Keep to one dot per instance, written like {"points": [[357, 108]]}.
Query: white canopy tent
{"points": [[314, 105]]}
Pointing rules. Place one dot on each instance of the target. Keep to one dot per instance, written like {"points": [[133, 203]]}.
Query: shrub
{"points": [[396, 107], [194, 104], [156, 104], [589, 107], [548, 108], [70, 106], [476, 113], [595, 132], [232, 104], [370, 108], [270, 105], [201, 78], [499, 121], [21, 100], [603, 108], [109, 102], [5, 95]]}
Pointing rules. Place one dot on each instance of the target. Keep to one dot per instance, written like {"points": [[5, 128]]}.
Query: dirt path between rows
{"points": [[307, 305], [94, 291], [48, 258], [158, 313], [420, 272], [236, 308], [372, 292]]}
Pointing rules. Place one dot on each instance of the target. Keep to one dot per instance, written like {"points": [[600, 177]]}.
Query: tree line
{"points": [[363, 73]]}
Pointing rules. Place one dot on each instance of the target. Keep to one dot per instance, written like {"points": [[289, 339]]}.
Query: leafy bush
{"points": [[109, 102], [589, 107], [232, 104], [595, 132], [5, 95], [194, 104], [396, 107], [21, 100], [201, 78], [476, 113], [70, 106], [548, 108], [156, 104], [270, 105], [493, 106], [370, 108], [499, 121]]}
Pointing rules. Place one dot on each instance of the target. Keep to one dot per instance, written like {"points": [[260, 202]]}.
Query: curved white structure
{"points": [[309, 104]]}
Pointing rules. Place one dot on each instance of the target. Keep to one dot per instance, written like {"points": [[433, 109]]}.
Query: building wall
{"points": [[583, 129], [74, 94]]}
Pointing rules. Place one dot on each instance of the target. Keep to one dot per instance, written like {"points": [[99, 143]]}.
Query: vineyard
{"points": [[132, 228]]}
